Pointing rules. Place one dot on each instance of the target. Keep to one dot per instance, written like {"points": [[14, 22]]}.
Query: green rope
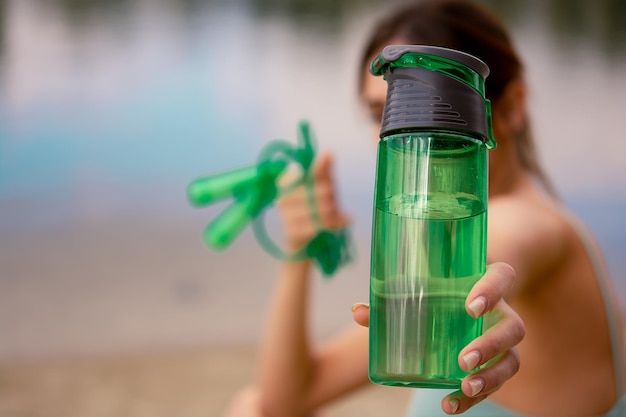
{"points": [[329, 249], [255, 189]]}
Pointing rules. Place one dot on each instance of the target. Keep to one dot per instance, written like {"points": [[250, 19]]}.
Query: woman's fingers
{"points": [[487, 297], [491, 378], [361, 314], [495, 347], [498, 339], [295, 208], [479, 385], [490, 289]]}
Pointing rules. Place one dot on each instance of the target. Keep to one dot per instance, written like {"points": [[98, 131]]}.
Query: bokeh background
{"points": [[109, 302]]}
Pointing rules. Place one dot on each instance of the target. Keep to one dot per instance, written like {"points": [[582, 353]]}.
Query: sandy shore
{"points": [[181, 384], [146, 287]]}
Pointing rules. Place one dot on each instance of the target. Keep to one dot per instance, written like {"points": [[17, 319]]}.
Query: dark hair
{"points": [[467, 27]]}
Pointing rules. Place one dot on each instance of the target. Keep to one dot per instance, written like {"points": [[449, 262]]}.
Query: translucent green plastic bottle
{"points": [[430, 222]]}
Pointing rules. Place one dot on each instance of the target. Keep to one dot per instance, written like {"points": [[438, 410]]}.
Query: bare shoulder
{"points": [[529, 231], [528, 214]]}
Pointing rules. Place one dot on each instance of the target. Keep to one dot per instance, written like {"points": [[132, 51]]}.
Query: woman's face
{"points": [[373, 95], [374, 88]]}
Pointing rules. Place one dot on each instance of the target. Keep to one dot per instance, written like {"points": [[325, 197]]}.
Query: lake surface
{"points": [[109, 109]]}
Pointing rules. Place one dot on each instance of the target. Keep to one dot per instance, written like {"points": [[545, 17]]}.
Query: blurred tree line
{"points": [[601, 23]]}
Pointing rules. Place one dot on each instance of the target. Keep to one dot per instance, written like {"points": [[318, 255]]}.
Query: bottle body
{"points": [[428, 250]]}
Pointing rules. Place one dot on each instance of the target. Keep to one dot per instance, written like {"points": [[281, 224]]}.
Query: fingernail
{"points": [[454, 405], [357, 305], [476, 386], [477, 307], [471, 359]]}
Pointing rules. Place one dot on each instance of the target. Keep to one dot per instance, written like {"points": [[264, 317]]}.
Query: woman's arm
{"points": [[293, 377]]}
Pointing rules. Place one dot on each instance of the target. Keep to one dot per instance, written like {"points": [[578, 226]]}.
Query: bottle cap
{"points": [[434, 87]]}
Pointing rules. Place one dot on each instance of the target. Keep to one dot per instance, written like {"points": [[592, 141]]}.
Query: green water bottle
{"points": [[429, 233]]}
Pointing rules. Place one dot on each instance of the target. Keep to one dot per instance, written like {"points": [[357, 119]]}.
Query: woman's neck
{"points": [[506, 173]]}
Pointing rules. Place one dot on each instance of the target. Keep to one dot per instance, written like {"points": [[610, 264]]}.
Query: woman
{"points": [[570, 357]]}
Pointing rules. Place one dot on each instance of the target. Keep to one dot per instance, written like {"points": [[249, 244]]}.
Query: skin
{"points": [[539, 272]]}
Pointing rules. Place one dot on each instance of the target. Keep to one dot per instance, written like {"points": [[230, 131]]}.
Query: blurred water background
{"points": [[109, 108]]}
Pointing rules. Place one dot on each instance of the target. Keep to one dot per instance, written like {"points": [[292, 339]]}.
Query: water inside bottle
{"points": [[431, 255]]}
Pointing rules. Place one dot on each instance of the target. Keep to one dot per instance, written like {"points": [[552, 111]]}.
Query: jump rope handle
{"points": [[254, 190]]}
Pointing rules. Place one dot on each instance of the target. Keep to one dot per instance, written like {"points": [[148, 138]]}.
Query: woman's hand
{"points": [[495, 346], [294, 208]]}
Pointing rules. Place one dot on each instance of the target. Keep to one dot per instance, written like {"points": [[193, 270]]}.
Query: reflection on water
{"points": [[109, 108]]}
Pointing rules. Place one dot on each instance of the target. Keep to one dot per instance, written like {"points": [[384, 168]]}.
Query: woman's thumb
{"points": [[361, 314], [323, 168]]}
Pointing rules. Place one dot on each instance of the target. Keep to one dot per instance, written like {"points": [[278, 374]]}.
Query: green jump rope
{"points": [[255, 188]]}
